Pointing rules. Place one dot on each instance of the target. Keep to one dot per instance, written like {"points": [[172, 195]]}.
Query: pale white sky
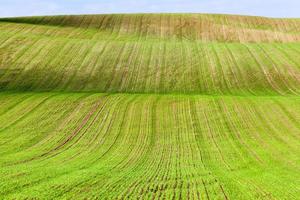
{"points": [[270, 8]]}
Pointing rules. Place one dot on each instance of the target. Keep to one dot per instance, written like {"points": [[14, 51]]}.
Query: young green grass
{"points": [[87, 145], [149, 106]]}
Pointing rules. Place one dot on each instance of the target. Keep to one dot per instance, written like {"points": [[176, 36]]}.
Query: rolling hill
{"points": [[149, 106]]}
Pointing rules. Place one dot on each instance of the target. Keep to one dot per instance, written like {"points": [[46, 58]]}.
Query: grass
{"points": [[73, 54], [152, 106]]}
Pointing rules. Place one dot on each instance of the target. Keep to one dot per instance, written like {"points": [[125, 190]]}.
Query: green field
{"points": [[149, 106]]}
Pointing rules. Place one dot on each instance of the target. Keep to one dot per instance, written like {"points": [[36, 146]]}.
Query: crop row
{"points": [[148, 146], [42, 63]]}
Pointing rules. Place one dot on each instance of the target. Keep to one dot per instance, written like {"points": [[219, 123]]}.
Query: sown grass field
{"points": [[149, 106]]}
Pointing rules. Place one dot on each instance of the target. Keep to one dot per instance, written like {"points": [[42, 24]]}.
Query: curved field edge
{"points": [[205, 27], [84, 145]]}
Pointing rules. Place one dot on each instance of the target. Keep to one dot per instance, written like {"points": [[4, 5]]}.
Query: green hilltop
{"points": [[167, 53]]}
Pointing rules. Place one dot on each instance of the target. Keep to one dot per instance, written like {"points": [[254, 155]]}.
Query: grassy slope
{"points": [[59, 145], [230, 132], [151, 54]]}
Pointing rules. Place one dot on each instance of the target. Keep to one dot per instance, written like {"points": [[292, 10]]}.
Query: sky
{"points": [[268, 8]]}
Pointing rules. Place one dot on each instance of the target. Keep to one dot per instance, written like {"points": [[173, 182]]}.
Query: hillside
{"points": [[151, 54], [149, 106]]}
